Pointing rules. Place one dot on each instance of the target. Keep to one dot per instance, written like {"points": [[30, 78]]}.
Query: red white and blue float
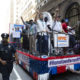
{"points": [[42, 66]]}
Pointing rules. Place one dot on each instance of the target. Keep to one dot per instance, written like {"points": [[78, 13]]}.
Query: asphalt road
{"points": [[18, 74], [67, 76]]}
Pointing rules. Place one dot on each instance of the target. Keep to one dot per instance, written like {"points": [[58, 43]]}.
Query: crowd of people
{"points": [[38, 34]]}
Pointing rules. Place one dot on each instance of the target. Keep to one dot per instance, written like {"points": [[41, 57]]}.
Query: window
{"points": [[73, 14], [40, 6], [38, 1], [45, 1], [42, 3]]}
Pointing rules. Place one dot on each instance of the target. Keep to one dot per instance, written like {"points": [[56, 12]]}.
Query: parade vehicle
{"points": [[41, 66]]}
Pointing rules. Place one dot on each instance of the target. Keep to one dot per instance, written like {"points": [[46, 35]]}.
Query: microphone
{"points": [[49, 27]]}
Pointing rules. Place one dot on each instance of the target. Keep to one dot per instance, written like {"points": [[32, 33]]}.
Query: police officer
{"points": [[6, 57]]}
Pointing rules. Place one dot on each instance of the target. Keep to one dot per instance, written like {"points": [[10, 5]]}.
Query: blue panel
{"points": [[76, 66], [15, 25], [21, 63], [53, 70], [40, 67], [31, 72]]}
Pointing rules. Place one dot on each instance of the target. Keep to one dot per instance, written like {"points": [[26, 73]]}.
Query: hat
{"points": [[5, 35]]}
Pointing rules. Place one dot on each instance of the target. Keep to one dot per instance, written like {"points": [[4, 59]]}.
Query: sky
{"points": [[4, 16]]}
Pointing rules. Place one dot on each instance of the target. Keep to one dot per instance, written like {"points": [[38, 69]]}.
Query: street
{"points": [[18, 74], [67, 76]]}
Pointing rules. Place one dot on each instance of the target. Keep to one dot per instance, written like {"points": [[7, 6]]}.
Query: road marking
{"points": [[18, 76]]}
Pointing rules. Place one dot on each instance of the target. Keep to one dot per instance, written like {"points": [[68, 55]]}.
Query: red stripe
{"points": [[12, 42], [35, 75], [46, 59], [61, 69]]}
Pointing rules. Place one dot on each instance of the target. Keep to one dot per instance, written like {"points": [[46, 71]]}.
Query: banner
{"points": [[65, 61]]}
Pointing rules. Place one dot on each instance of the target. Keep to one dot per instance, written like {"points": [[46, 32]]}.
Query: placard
{"points": [[16, 34], [65, 61], [61, 40]]}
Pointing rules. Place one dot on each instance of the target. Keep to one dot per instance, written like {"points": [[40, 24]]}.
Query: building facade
{"points": [[26, 9], [69, 9], [11, 11]]}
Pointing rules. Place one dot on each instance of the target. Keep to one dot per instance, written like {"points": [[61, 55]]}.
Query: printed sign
{"points": [[15, 30], [65, 61], [61, 40], [16, 34], [23, 58]]}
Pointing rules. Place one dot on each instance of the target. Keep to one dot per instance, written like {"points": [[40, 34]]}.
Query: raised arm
{"points": [[25, 23], [56, 14], [22, 20], [37, 16]]}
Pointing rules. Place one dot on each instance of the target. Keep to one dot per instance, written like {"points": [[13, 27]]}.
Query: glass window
{"points": [[73, 14]]}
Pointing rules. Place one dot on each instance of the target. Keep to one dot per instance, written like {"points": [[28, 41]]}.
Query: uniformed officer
{"points": [[6, 57]]}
